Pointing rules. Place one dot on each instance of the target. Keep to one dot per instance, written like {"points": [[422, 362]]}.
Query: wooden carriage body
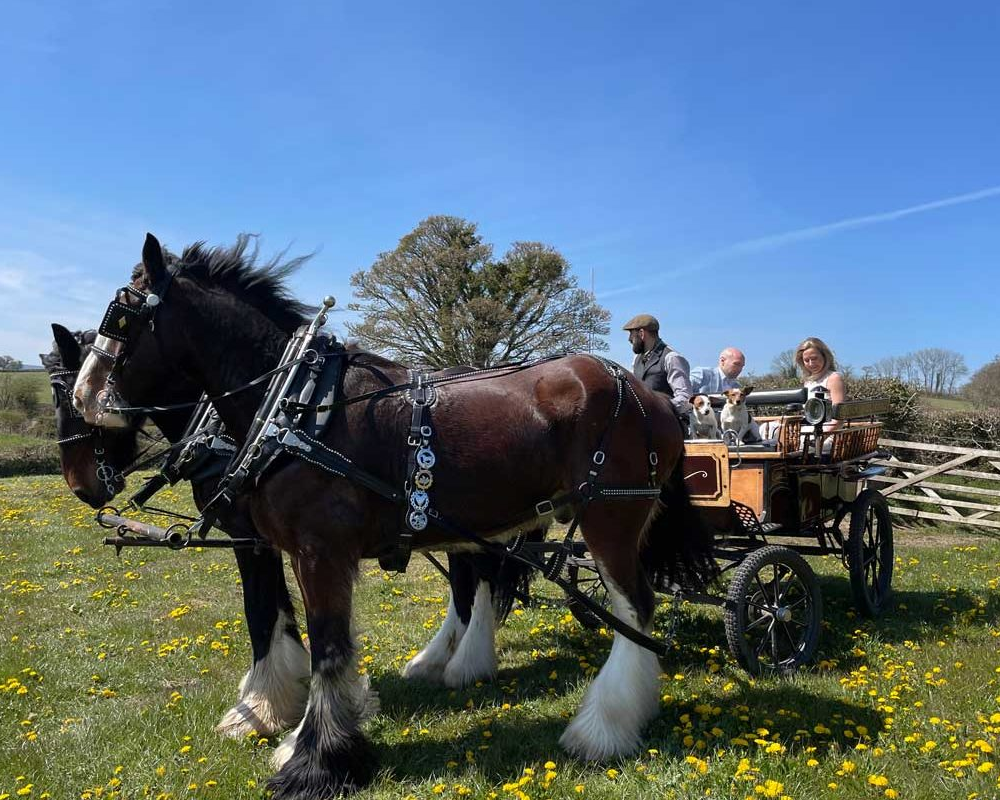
{"points": [[797, 482]]}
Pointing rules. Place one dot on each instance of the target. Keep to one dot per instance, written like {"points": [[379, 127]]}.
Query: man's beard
{"points": [[638, 347]]}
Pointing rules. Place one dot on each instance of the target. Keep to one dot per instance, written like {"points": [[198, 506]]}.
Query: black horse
{"points": [[503, 446], [272, 694]]}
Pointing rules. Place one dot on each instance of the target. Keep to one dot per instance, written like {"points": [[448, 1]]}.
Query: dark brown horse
{"points": [[503, 445]]}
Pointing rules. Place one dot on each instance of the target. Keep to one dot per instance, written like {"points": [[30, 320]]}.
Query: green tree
{"points": [[441, 299], [9, 363], [984, 386]]}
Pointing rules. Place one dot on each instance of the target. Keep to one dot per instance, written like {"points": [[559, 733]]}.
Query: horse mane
{"points": [[239, 270]]}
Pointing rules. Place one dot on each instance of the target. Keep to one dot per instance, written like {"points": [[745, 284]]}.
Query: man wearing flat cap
{"points": [[657, 364]]}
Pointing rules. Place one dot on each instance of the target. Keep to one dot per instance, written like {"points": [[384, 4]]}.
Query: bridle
{"points": [[127, 315], [74, 428]]}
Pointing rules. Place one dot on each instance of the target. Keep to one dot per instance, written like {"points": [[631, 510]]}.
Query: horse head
{"points": [[92, 460], [209, 319]]}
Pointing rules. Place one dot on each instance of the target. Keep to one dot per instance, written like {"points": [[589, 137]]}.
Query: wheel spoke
{"points": [[757, 622], [763, 591], [791, 639], [759, 650]]}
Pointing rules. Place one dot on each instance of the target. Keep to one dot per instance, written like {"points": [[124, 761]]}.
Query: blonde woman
{"points": [[815, 359]]}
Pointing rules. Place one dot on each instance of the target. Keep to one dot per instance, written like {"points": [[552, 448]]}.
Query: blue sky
{"points": [[750, 173]]}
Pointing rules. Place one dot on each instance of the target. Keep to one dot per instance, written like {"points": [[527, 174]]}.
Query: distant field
{"points": [[38, 380], [947, 403]]}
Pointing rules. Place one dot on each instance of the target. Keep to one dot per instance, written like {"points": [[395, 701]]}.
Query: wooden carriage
{"points": [[772, 503]]}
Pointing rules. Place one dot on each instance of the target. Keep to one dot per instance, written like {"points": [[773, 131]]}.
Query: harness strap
{"points": [[315, 452], [205, 400], [429, 381]]}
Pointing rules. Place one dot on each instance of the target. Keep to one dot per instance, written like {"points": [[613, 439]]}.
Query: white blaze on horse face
{"points": [[91, 382], [623, 697]]}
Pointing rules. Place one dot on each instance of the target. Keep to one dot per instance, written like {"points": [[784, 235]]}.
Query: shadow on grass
{"points": [[791, 721], [912, 616]]}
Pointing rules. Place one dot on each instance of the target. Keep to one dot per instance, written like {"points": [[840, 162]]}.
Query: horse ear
{"points": [[67, 346], [152, 260]]}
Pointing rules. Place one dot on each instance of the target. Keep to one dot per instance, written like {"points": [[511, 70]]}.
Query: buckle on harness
{"points": [[287, 438], [544, 508]]}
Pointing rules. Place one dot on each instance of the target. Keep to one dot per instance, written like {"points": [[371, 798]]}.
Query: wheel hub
{"points": [[783, 614]]}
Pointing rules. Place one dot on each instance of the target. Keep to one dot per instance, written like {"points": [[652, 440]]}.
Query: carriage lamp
{"points": [[818, 408]]}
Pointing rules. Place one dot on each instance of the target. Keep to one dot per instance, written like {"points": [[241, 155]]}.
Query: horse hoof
{"points": [[599, 745], [460, 675], [237, 723], [323, 775], [423, 670]]}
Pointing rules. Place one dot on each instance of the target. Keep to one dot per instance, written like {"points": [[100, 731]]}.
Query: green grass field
{"points": [[114, 671], [37, 381], [947, 403]]}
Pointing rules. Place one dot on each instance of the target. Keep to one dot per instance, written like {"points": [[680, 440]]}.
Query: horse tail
{"points": [[677, 545]]}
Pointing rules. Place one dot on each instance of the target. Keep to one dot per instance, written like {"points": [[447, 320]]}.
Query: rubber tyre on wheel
{"points": [[774, 612], [869, 551]]}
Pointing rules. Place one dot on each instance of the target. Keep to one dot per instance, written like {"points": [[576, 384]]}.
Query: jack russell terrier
{"points": [[735, 416], [704, 425]]}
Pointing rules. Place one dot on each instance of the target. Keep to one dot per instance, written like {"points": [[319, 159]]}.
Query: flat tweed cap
{"points": [[647, 321]]}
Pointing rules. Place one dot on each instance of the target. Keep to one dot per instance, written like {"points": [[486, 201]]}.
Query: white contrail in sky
{"points": [[777, 240]]}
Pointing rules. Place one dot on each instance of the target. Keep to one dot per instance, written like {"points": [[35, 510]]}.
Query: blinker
{"points": [[117, 321]]}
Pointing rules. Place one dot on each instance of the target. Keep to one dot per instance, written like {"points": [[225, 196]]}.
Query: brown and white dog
{"points": [[704, 425], [735, 416]]}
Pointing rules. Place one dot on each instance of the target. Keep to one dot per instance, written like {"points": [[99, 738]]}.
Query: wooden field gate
{"points": [[962, 485]]}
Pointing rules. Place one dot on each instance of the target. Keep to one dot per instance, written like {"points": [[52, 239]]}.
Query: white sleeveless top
{"points": [[812, 385]]}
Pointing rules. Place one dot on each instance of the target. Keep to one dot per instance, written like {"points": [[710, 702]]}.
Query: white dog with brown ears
{"points": [[704, 425], [735, 416]]}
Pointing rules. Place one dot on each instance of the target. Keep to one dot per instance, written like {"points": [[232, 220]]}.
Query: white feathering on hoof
{"points": [[284, 751], [476, 656], [337, 704], [273, 693], [430, 662], [622, 699]]}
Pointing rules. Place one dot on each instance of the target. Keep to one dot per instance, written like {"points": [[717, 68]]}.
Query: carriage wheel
{"points": [[870, 552], [585, 577], [774, 611]]}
